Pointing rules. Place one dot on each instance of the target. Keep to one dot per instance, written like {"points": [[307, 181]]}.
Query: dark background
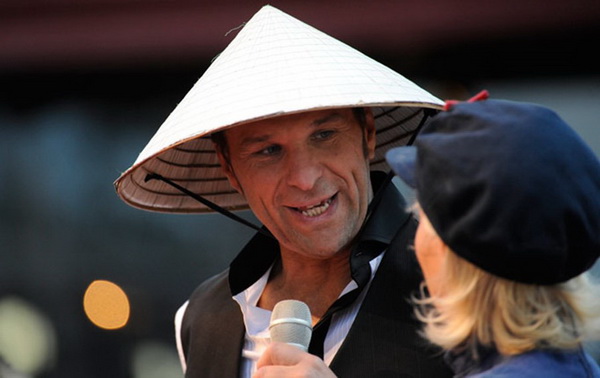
{"points": [[85, 84]]}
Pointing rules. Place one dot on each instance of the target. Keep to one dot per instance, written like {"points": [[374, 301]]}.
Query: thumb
{"points": [[278, 353]]}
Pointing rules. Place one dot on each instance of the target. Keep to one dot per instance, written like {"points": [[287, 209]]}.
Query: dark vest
{"points": [[382, 342]]}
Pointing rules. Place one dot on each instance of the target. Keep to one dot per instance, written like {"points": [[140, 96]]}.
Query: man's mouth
{"points": [[315, 210]]}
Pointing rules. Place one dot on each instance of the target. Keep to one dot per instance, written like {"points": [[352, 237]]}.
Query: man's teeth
{"points": [[317, 209]]}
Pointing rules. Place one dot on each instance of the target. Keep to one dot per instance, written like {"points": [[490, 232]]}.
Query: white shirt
{"points": [[256, 321]]}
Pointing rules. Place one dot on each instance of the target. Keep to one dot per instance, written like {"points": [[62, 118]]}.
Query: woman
{"points": [[509, 222], [509, 205]]}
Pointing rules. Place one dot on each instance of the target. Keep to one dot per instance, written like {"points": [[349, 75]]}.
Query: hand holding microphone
{"points": [[291, 330]]}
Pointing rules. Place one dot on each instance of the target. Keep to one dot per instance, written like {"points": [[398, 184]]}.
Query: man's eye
{"points": [[323, 134], [271, 150]]}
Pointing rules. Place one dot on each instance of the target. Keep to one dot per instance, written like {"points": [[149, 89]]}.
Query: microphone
{"points": [[291, 323]]}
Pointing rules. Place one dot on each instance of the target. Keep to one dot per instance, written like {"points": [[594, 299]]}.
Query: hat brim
{"points": [[403, 161], [194, 165]]}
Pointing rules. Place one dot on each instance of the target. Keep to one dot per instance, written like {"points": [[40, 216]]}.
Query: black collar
{"points": [[385, 221]]}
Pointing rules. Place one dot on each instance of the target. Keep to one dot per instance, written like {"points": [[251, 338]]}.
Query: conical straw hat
{"points": [[276, 65]]}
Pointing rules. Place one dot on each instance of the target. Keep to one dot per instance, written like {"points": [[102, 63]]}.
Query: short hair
{"points": [[478, 308]]}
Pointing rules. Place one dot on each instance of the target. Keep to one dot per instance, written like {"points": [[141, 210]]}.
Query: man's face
{"points": [[305, 177]]}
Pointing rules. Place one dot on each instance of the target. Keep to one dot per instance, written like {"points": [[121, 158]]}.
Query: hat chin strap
{"points": [[428, 113], [207, 203], [229, 214]]}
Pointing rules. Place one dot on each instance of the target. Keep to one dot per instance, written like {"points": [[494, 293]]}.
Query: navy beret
{"points": [[508, 186]]}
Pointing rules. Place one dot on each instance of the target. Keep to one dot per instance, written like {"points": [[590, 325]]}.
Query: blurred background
{"points": [[88, 285]]}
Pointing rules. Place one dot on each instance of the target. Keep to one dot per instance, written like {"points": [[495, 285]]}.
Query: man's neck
{"points": [[316, 282]]}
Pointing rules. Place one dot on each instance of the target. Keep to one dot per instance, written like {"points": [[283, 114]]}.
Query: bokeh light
{"points": [[28, 341], [155, 359], [106, 305]]}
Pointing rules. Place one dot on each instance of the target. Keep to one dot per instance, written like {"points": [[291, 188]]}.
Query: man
{"points": [[288, 121]]}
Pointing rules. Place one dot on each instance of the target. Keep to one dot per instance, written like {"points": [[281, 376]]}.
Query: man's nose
{"points": [[303, 170]]}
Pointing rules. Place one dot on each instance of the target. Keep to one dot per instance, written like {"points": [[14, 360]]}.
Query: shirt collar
{"points": [[465, 361], [382, 225]]}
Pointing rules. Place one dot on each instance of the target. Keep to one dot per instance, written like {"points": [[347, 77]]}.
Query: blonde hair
{"points": [[478, 308]]}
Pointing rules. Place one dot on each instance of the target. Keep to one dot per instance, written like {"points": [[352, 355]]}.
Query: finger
{"points": [[280, 354], [275, 372]]}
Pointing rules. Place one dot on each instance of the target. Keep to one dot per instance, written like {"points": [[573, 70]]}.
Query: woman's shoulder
{"points": [[547, 364]]}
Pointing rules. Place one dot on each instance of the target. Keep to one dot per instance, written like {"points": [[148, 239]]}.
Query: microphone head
{"points": [[291, 323]]}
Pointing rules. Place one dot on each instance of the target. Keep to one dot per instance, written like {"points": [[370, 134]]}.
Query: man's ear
{"points": [[370, 133], [228, 169]]}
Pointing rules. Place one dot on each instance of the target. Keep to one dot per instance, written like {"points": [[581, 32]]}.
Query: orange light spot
{"points": [[106, 305]]}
